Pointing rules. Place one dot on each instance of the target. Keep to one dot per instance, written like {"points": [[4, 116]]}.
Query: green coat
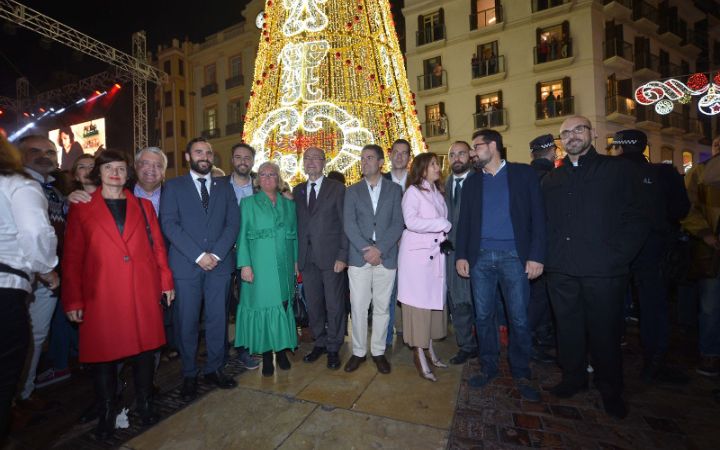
{"points": [[268, 243]]}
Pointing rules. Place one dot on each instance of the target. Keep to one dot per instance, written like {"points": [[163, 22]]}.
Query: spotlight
{"points": [[117, 86], [20, 132], [26, 114], [80, 102], [60, 111]]}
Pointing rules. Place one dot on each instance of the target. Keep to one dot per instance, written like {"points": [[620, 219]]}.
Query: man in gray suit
{"points": [[200, 218], [322, 256], [459, 297], [373, 223]]}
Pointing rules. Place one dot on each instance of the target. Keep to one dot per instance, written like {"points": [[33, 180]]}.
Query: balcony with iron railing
{"points": [[486, 19], [209, 89], [233, 128], [672, 123], [430, 34], [481, 68], [492, 118], [647, 118], [646, 65], [210, 133], [237, 80], [436, 129], [670, 70], [552, 54], [543, 5], [620, 109], [693, 41], [618, 55], [670, 32], [548, 110], [645, 16], [431, 83]]}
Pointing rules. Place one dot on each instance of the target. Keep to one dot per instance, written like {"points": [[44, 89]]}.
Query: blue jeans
{"points": [[503, 268], [709, 317]]}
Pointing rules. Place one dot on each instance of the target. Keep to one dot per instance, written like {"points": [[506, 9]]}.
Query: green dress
{"points": [[268, 243]]}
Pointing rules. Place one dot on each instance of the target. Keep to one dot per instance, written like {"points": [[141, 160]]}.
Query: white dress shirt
{"points": [[374, 196], [400, 181], [208, 184], [318, 183], [462, 179], [27, 240]]}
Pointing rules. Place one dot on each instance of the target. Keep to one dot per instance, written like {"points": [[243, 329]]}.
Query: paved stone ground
{"points": [[661, 416]]}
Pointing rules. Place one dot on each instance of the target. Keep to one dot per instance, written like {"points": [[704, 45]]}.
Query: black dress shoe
{"points": [[314, 354], [354, 362], [566, 390], [333, 360], [221, 380], [383, 366], [189, 389], [461, 357]]}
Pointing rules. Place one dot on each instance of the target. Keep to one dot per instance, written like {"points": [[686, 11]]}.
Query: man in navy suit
{"points": [[501, 241], [200, 218]]}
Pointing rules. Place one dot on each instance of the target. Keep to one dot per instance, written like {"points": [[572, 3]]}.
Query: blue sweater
{"points": [[497, 228]]}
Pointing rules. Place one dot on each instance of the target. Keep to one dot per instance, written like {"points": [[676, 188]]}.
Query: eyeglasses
{"points": [[580, 129], [476, 146]]}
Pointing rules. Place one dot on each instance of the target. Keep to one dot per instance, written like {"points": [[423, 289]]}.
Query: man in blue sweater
{"points": [[501, 242]]}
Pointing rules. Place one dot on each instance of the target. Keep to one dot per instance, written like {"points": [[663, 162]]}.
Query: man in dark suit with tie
{"points": [[459, 297], [501, 242], [322, 256], [200, 218]]}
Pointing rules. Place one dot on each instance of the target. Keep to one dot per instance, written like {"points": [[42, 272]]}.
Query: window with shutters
{"points": [[181, 97], [167, 98], [169, 129], [166, 66], [487, 61], [181, 67], [542, 5], [489, 111], [552, 43], [553, 99], [431, 27], [433, 74], [484, 13], [436, 122]]}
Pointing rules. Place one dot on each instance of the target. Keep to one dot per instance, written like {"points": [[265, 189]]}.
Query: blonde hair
{"points": [[280, 184], [10, 160]]}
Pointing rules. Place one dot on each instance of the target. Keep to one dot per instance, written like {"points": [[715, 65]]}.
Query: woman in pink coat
{"points": [[421, 264]]}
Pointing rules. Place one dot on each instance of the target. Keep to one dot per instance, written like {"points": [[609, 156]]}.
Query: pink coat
{"points": [[421, 266]]}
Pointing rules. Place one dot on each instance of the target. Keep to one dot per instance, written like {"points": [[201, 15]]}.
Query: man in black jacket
{"points": [[595, 228], [665, 202]]}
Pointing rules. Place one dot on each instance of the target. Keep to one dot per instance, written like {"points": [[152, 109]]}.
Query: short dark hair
{"points": [[401, 141], [488, 136], [193, 141], [242, 145], [108, 156], [378, 150], [337, 176], [21, 142]]}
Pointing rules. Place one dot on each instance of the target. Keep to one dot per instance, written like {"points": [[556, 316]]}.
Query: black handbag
{"points": [[299, 308], [163, 298]]}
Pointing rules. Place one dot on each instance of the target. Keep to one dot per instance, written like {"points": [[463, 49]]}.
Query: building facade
{"points": [[209, 85], [522, 66]]}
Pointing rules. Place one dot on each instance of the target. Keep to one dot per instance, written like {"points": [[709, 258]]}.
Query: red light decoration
{"points": [[697, 81]]}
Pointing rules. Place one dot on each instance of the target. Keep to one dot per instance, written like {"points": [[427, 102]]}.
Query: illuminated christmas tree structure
{"points": [[328, 74]]}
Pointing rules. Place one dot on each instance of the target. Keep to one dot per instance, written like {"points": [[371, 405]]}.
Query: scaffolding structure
{"points": [[136, 65]]}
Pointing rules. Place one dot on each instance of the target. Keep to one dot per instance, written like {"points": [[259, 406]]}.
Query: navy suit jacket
{"points": [[191, 231], [527, 213]]}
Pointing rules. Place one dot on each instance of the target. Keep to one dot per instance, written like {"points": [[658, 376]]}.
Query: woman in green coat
{"points": [[266, 256]]}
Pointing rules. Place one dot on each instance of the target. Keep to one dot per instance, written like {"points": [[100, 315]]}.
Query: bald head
{"points": [[576, 134]]}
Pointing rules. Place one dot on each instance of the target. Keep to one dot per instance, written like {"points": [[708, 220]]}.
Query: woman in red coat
{"points": [[113, 279]]}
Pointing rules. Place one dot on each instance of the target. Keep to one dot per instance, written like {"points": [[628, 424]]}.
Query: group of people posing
{"points": [[145, 263]]}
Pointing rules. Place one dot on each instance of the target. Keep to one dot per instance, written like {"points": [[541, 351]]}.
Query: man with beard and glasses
{"points": [[201, 221], [596, 227], [241, 180], [501, 242], [459, 298], [40, 158]]}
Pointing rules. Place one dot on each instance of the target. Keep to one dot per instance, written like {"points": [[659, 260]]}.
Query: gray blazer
{"points": [[321, 232], [360, 222]]}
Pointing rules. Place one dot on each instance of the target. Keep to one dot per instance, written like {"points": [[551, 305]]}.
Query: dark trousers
{"points": [[106, 377], [211, 289], [539, 316], [325, 293], [651, 290], [14, 341], [463, 319], [589, 314]]}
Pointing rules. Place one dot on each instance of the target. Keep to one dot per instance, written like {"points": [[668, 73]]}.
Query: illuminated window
{"points": [[235, 64], [687, 161], [210, 118], [553, 99]]}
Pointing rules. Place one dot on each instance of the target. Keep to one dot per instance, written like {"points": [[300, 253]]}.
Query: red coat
{"points": [[116, 280]]}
